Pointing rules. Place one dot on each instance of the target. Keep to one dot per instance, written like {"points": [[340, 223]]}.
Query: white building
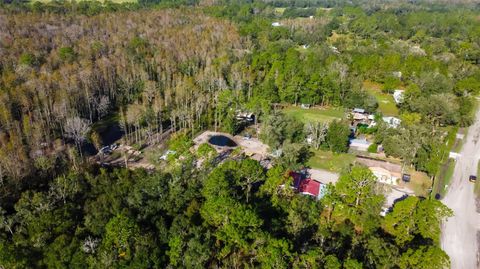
{"points": [[392, 122], [398, 96], [276, 24]]}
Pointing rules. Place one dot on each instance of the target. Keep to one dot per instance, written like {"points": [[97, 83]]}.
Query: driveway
{"points": [[459, 233], [323, 176]]}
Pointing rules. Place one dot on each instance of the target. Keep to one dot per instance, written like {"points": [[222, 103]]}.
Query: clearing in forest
{"points": [[314, 114], [386, 103]]}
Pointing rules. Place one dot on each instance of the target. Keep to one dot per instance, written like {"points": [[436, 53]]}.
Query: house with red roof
{"points": [[308, 186]]}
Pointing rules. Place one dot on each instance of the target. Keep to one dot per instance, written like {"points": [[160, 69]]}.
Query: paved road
{"points": [[459, 233]]}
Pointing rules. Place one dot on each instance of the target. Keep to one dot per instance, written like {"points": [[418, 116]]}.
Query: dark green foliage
{"points": [[373, 148], [337, 136], [361, 99], [279, 128], [134, 219]]}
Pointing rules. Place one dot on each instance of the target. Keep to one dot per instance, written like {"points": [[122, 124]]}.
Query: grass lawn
{"points": [[314, 114], [420, 183], [334, 162], [457, 147], [386, 103], [443, 178]]}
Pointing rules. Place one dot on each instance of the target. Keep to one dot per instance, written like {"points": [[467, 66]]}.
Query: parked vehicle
{"points": [[472, 178], [106, 150]]}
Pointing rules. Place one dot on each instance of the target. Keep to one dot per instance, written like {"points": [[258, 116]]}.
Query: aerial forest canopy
{"points": [[67, 70]]}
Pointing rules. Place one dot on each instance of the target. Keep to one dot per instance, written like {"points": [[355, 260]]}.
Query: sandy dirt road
{"points": [[459, 233]]}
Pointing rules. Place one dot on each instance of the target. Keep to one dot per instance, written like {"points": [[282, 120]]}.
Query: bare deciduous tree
{"points": [[77, 129], [102, 106], [90, 244], [317, 132]]}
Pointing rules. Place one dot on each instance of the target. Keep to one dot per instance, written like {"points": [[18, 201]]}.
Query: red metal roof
{"points": [[309, 186]]}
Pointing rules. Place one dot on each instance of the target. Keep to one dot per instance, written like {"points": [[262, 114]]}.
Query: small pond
{"points": [[222, 141]]}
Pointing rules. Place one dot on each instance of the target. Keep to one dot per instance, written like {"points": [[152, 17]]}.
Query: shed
{"points": [[398, 96], [392, 122]]}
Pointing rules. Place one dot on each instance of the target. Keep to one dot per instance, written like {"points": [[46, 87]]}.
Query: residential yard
{"points": [[386, 103], [315, 114], [420, 183], [334, 162]]}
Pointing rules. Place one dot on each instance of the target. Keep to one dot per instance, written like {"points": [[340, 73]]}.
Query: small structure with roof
{"points": [[359, 110], [308, 186], [276, 24], [245, 116], [398, 96], [392, 122], [305, 106]]}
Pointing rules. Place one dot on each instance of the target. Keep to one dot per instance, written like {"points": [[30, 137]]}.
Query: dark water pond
{"points": [[222, 141]]}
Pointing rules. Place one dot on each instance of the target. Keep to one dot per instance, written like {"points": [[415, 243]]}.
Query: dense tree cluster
{"points": [[233, 216]]}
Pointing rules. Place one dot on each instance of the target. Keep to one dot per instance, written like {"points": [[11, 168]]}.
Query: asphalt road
{"points": [[459, 233]]}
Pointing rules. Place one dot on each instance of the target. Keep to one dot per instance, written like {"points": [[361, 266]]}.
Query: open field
{"points": [[386, 103], [314, 114], [334, 162]]}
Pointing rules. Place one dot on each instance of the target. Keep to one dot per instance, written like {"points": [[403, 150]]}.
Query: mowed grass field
{"points": [[386, 103], [333, 162], [314, 114]]}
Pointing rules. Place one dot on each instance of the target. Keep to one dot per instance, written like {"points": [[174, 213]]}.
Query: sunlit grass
{"points": [[314, 114], [334, 162], [386, 103]]}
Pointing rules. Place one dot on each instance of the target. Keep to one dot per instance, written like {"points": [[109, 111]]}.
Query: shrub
{"points": [[373, 148]]}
